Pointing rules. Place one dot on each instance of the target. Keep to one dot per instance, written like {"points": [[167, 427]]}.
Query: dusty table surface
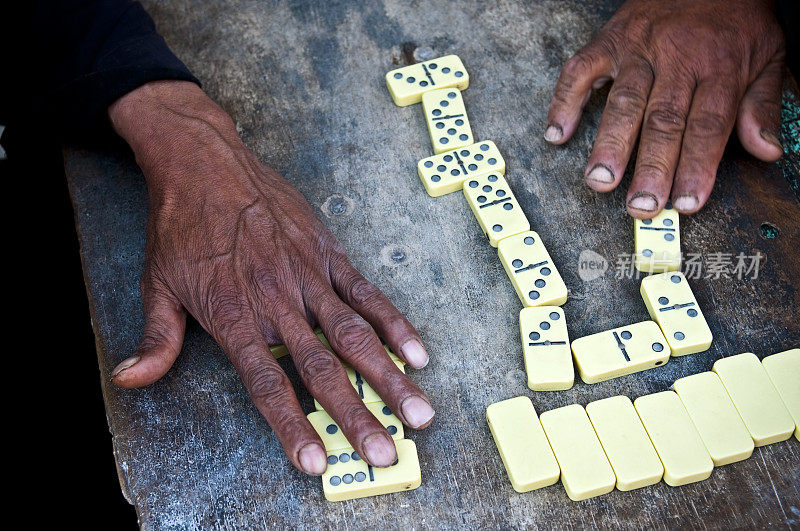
{"points": [[304, 83]]}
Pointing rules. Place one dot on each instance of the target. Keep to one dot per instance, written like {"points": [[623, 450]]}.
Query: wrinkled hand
{"points": [[236, 246], [685, 72]]}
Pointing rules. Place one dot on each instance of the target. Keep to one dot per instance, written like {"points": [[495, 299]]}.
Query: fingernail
{"points": [[685, 202], [416, 411], [313, 459], [379, 450], [601, 173], [772, 138], [643, 201], [127, 364], [415, 353], [553, 133]]}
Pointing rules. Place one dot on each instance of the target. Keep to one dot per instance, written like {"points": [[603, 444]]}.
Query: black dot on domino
{"points": [[679, 336], [545, 271], [508, 206], [497, 227], [539, 283], [473, 184], [331, 428], [492, 178], [675, 279], [391, 429], [528, 240], [398, 75], [534, 336], [347, 478], [533, 294], [486, 188], [360, 476], [436, 178], [517, 262], [428, 164], [335, 481], [555, 316], [332, 459], [663, 300], [658, 347], [647, 252], [691, 312], [625, 335], [410, 79], [439, 125]]}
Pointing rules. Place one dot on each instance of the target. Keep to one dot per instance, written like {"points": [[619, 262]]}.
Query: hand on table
{"points": [[236, 246], [685, 72]]}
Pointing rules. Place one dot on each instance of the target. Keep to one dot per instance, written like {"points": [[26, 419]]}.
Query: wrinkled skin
{"points": [[685, 73], [232, 243]]}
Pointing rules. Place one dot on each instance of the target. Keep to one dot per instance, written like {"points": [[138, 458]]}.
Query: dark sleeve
{"points": [[83, 55]]}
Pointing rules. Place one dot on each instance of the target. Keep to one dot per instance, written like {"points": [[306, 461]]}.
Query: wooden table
{"points": [[304, 83]]}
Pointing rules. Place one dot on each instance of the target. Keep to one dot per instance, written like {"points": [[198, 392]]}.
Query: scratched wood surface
{"points": [[304, 82]]}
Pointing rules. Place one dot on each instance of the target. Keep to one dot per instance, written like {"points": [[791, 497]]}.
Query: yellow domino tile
{"points": [[545, 348], [585, 470], [715, 417], [495, 207], [675, 438], [756, 399], [446, 172], [531, 270], [672, 305], [409, 83], [333, 438], [784, 371], [364, 390], [349, 477], [522, 444], [620, 351], [626, 443], [447, 119], [658, 242]]}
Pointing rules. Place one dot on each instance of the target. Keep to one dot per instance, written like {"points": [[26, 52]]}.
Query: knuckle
{"points": [[577, 65], [360, 290], [665, 123], [320, 369], [353, 333], [706, 124], [654, 166], [355, 415], [626, 101], [266, 383], [612, 141]]}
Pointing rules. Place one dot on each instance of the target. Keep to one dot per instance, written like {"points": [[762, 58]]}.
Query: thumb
{"points": [[165, 324], [759, 118]]}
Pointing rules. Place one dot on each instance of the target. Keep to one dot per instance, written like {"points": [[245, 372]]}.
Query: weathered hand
{"points": [[684, 73], [236, 246]]}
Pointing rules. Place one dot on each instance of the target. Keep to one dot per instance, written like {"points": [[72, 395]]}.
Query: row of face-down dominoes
{"points": [[707, 420]]}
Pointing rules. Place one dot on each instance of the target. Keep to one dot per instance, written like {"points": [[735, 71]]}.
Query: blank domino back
{"points": [[658, 242], [756, 399], [675, 438], [349, 477], [620, 351], [626, 443], [446, 172], [409, 83], [672, 305], [784, 371], [531, 270], [715, 417], [545, 348], [585, 470], [523, 446]]}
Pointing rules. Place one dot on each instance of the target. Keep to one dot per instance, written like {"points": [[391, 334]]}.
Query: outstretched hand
{"points": [[685, 73], [236, 246]]}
